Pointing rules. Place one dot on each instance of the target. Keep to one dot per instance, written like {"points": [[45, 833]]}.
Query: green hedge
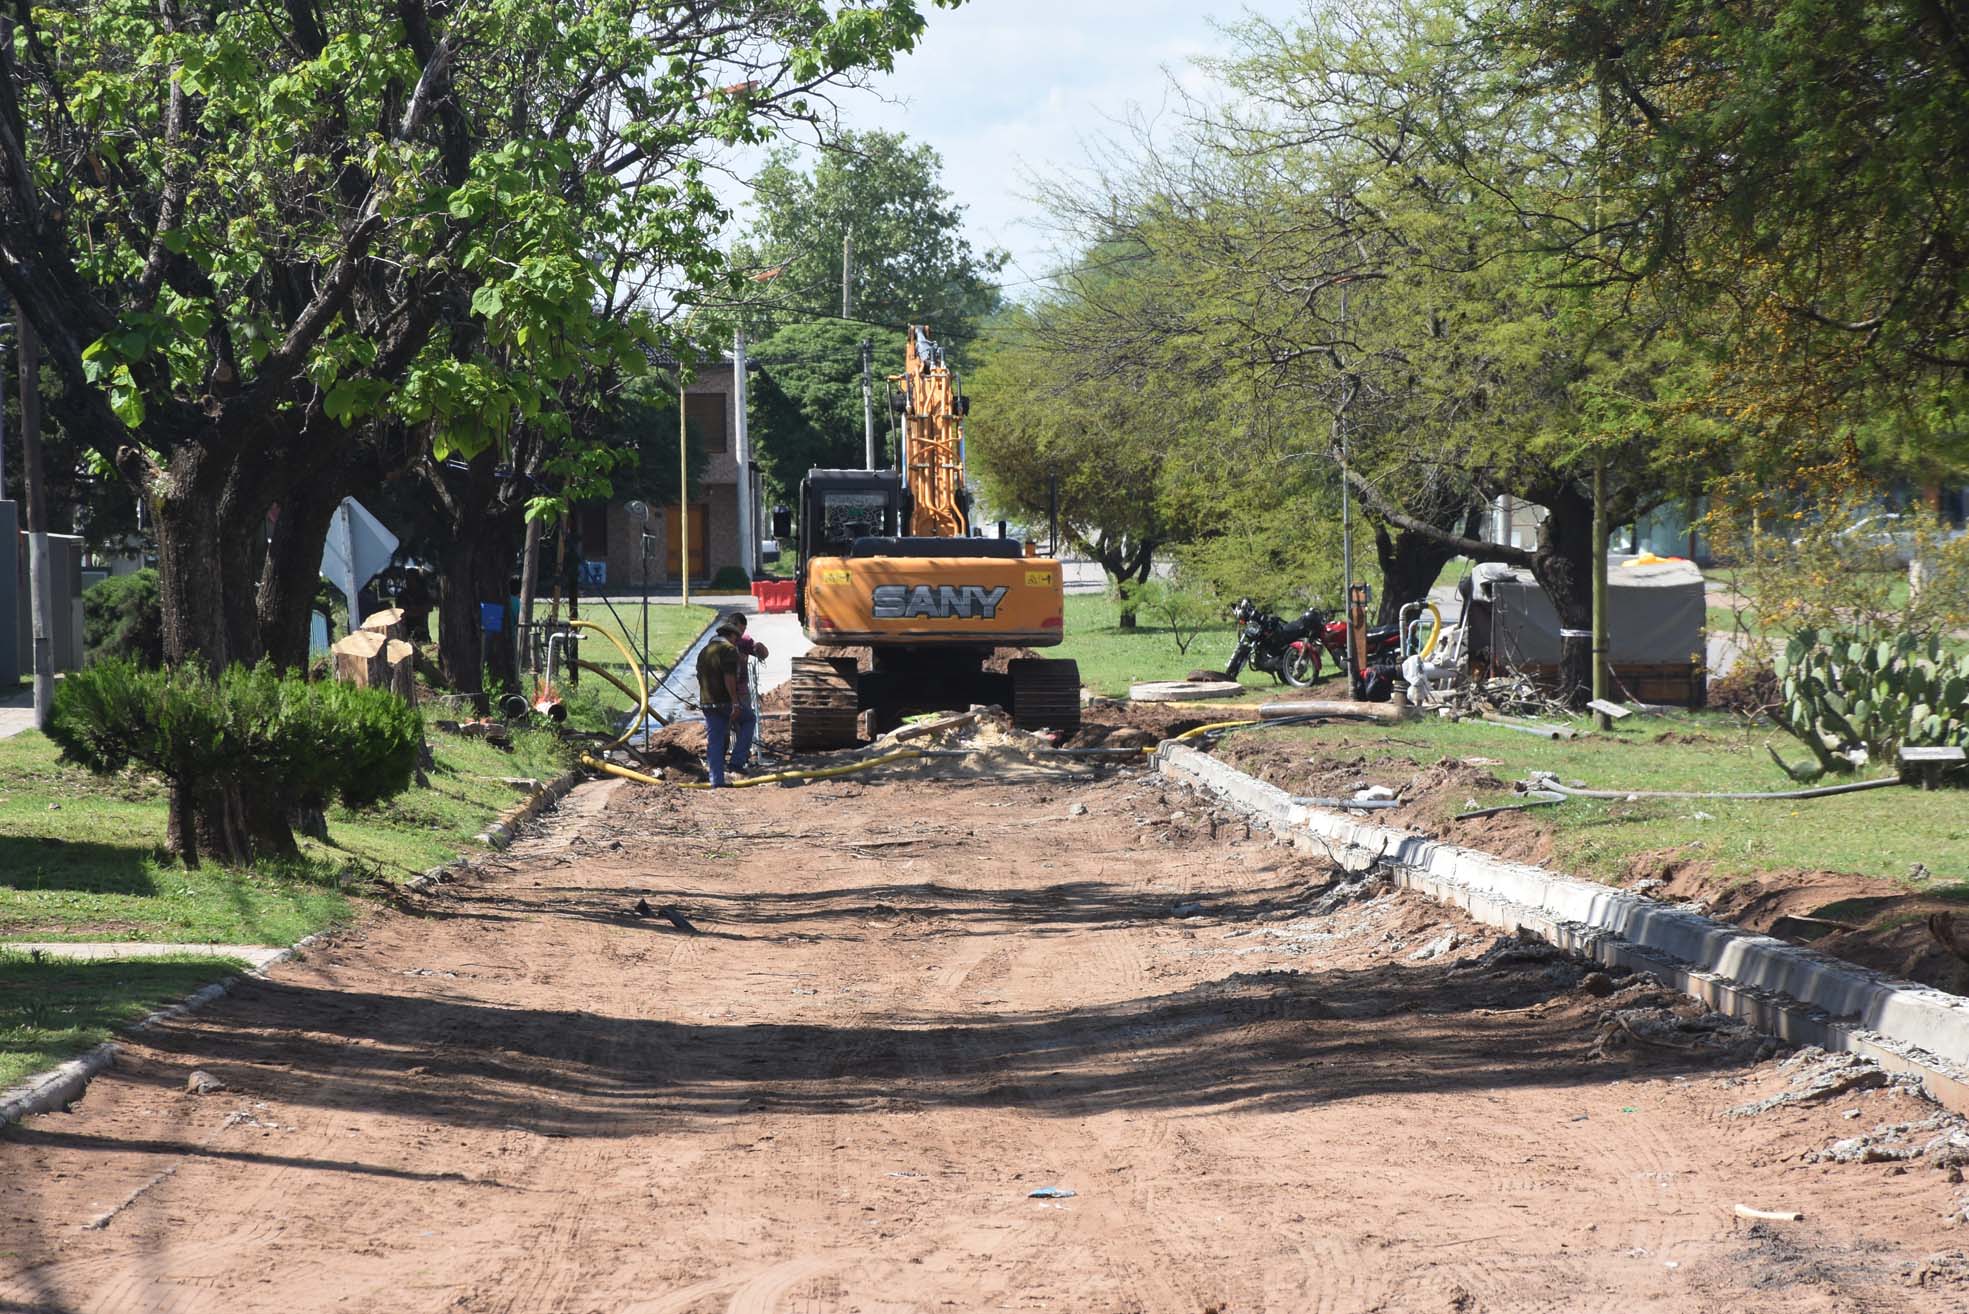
{"points": [[123, 620], [279, 741]]}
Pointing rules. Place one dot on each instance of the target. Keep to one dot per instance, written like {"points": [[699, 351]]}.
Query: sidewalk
{"points": [[256, 955], [781, 634], [16, 711]]}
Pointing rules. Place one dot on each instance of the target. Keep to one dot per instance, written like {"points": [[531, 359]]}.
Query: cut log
{"points": [[387, 622], [359, 659], [367, 660], [1335, 707], [401, 657]]}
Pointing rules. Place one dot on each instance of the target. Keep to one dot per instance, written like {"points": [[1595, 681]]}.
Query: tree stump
{"points": [[401, 658], [369, 661], [387, 622], [360, 659]]}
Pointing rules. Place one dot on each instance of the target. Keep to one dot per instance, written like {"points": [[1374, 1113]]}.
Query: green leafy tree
{"points": [[264, 245], [1801, 160], [911, 261], [807, 410], [1048, 420]]}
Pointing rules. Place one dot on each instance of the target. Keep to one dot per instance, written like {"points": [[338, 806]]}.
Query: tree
{"points": [[1365, 231], [807, 412], [1802, 157], [1095, 431], [912, 263], [250, 237]]}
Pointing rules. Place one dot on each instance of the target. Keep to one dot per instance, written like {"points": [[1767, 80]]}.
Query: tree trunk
{"points": [[475, 568], [1410, 563], [206, 564], [290, 575], [1563, 565], [529, 580]]}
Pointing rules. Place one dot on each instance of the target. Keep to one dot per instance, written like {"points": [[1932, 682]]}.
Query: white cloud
{"points": [[1007, 88]]}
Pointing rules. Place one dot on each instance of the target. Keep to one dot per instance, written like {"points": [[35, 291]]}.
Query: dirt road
{"points": [[906, 1010]]}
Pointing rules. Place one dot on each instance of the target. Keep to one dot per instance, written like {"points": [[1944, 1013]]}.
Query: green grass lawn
{"points": [[54, 1009], [1881, 833], [672, 627], [1112, 658], [83, 858]]}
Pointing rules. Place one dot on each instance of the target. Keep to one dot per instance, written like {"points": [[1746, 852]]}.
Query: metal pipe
{"points": [[1545, 780]]}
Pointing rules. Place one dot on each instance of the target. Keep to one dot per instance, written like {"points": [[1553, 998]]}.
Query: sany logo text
{"points": [[941, 601]]}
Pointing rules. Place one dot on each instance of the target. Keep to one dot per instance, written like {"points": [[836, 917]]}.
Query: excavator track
{"points": [[1045, 693], [826, 707]]}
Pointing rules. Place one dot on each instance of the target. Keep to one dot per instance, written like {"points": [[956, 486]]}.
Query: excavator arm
{"points": [[932, 439]]}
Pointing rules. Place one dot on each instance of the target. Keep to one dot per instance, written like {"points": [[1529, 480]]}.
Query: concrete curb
{"points": [[503, 831], [63, 1084], [1800, 995]]}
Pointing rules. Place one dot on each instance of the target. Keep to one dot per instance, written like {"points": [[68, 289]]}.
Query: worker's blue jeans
{"points": [[719, 722]]}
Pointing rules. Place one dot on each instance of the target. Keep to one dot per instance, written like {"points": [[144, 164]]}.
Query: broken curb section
{"points": [[503, 831], [1797, 994]]}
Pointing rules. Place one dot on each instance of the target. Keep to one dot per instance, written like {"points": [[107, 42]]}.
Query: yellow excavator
{"points": [[888, 562]]}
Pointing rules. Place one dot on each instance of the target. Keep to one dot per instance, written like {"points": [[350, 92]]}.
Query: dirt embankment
{"points": [[1866, 920]]}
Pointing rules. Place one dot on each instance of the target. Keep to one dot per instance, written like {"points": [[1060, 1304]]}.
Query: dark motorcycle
{"points": [[1289, 651], [1307, 644]]}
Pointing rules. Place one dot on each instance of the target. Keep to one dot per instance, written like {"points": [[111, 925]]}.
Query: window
{"points": [[706, 412], [846, 516]]}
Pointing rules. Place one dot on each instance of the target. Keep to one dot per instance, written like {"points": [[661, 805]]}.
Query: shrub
{"points": [[123, 620], [731, 579], [277, 743], [1185, 608], [1843, 691]]}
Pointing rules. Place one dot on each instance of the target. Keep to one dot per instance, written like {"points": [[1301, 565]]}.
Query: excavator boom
{"points": [[933, 439]]}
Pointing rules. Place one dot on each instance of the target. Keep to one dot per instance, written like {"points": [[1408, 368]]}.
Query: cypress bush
{"points": [[273, 743], [123, 619]]}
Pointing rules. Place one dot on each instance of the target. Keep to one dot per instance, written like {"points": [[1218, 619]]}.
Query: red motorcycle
{"points": [[1305, 663]]}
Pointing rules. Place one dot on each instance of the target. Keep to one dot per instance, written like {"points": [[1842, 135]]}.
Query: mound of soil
{"points": [[1875, 923]]}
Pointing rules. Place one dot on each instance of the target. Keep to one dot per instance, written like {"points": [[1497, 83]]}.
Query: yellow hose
{"points": [[816, 773], [1435, 633], [596, 764], [642, 680], [608, 675], [1206, 729]]}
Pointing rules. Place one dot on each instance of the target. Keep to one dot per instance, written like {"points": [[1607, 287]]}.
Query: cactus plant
{"points": [[1860, 690]]}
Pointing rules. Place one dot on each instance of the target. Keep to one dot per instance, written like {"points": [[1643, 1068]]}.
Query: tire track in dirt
{"points": [[839, 1095]]}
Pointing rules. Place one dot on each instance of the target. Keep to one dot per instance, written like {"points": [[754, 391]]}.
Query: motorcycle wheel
{"points": [[1237, 664], [1302, 666]]}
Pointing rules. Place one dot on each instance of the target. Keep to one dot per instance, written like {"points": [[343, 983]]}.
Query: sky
{"points": [[1004, 89]]}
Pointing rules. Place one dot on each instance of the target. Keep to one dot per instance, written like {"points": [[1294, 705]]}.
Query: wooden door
{"points": [[700, 540]]}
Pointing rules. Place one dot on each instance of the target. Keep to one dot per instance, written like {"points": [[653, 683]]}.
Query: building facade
{"points": [[623, 554]]}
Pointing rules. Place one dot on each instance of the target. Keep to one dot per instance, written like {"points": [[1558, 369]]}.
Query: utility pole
{"points": [[748, 522], [1356, 613], [40, 587], [683, 490], [868, 400], [1601, 720], [847, 269]]}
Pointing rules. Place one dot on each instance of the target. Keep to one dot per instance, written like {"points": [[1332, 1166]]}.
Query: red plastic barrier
{"points": [[773, 595]]}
